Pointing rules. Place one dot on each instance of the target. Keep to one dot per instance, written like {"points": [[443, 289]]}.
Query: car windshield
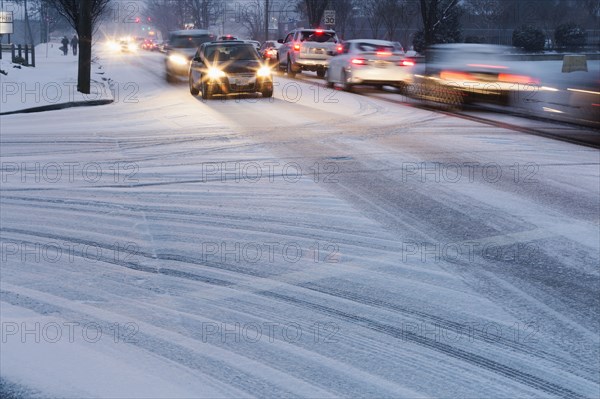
{"points": [[220, 53], [189, 41], [379, 48], [319, 37]]}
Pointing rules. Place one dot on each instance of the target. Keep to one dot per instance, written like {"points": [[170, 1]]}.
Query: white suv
{"points": [[307, 50]]}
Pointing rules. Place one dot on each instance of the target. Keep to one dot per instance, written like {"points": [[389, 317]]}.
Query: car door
{"points": [[340, 61]]}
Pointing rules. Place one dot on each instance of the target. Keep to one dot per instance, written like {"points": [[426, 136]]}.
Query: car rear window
{"points": [[231, 52], [319, 37], [370, 47], [189, 41]]}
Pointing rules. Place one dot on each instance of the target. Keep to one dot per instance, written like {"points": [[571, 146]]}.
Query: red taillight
{"points": [[358, 61], [296, 47], [340, 49], [406, 63], [507, 77], [383, 53], [319, 31]]}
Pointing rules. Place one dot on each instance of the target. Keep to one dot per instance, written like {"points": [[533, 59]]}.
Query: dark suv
{"points": [[229, 67], [181, 48]]}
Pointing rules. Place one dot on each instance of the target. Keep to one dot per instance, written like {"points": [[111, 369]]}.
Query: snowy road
{"points": [[318, 244]]}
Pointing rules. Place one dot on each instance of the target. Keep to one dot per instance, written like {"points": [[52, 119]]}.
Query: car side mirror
{"points": [[280, 41]]}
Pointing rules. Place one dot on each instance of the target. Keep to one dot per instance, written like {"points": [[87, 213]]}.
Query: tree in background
{"points": [[570, 37], [344, 10], [315, 10], [441, 23], [529, 38], [83, 15]]}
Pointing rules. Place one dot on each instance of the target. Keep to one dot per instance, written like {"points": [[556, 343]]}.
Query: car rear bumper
{"points": [[312, 65], [372, 75]]}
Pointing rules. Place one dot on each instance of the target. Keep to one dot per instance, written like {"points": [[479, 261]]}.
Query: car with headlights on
{"points": [[369, 62], [181, 47], [229, 67]]}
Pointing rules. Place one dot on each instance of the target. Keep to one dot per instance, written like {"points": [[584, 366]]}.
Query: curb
{"points": [[56, 107]]}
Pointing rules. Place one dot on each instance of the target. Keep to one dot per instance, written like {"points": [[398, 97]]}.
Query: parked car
{"points": [[229, 67], [307, 50], [369, 62], [181, 48], [458, 73], [268, 50]]}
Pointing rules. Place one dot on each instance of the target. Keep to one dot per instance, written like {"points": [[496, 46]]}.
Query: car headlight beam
{"points": [[215, 73], [178, 59], [263, 72]]}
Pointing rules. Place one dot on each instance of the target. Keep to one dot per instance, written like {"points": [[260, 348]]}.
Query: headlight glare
{"points": [[178, 59], [215, 73], [263, 72]]}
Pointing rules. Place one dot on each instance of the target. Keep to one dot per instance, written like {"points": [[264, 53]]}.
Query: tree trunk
{"points": [[85, 47]]}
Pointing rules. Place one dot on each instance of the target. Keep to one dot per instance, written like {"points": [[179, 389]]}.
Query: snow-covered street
{"points": [[316, 244]]}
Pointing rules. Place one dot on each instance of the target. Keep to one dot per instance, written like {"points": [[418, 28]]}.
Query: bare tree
{"points": [[83, 15], [435, 14], [343, 13], [315, 10], [373, 12], [253, 18]]}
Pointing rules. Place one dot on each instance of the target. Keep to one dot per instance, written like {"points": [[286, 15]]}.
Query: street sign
{"points": [[329, 17], [6, 22]]}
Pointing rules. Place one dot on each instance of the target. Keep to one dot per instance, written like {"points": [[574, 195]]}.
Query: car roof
{"points": [[371, 41], [190, 32]]}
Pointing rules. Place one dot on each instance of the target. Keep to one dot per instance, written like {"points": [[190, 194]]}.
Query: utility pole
{"points": [[85, 47], [266, 20]]}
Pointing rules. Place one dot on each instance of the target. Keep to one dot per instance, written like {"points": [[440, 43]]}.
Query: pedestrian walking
{"points": [[74, 44], [65, 45]]}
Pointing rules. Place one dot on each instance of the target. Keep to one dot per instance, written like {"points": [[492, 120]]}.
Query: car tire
{"points": [[169, 77], [328, 83], [290, 69], [321, 72], [345, 85], [268, 93], [193, 90], [206, 93]]}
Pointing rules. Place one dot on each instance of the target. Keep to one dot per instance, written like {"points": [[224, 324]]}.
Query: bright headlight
{"points": [[178, 59], [215, 73], [132, 47], [114, 46], [263, 72]]}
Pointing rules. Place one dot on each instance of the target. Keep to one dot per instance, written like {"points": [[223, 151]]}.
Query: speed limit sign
{"points": [[329, 17]]}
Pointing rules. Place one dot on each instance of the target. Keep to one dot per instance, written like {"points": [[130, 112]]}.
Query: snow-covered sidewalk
{"points": [[52, 83]]}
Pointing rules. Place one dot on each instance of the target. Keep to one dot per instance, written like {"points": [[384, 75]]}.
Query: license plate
{"points": [[319, 50], [381, 64], [241, 81]]}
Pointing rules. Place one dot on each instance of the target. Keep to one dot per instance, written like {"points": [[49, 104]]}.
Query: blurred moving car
{"points": [[181, 48], [268, 50], [128, 46], [307, 50], [460, 73], [229, 67], [369, 62]]}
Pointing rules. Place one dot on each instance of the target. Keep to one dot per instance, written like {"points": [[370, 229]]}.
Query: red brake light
{"points": [[406, 63], [358, 61], [319, 31], [382, 53], [297, 47], [340, 49]]}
